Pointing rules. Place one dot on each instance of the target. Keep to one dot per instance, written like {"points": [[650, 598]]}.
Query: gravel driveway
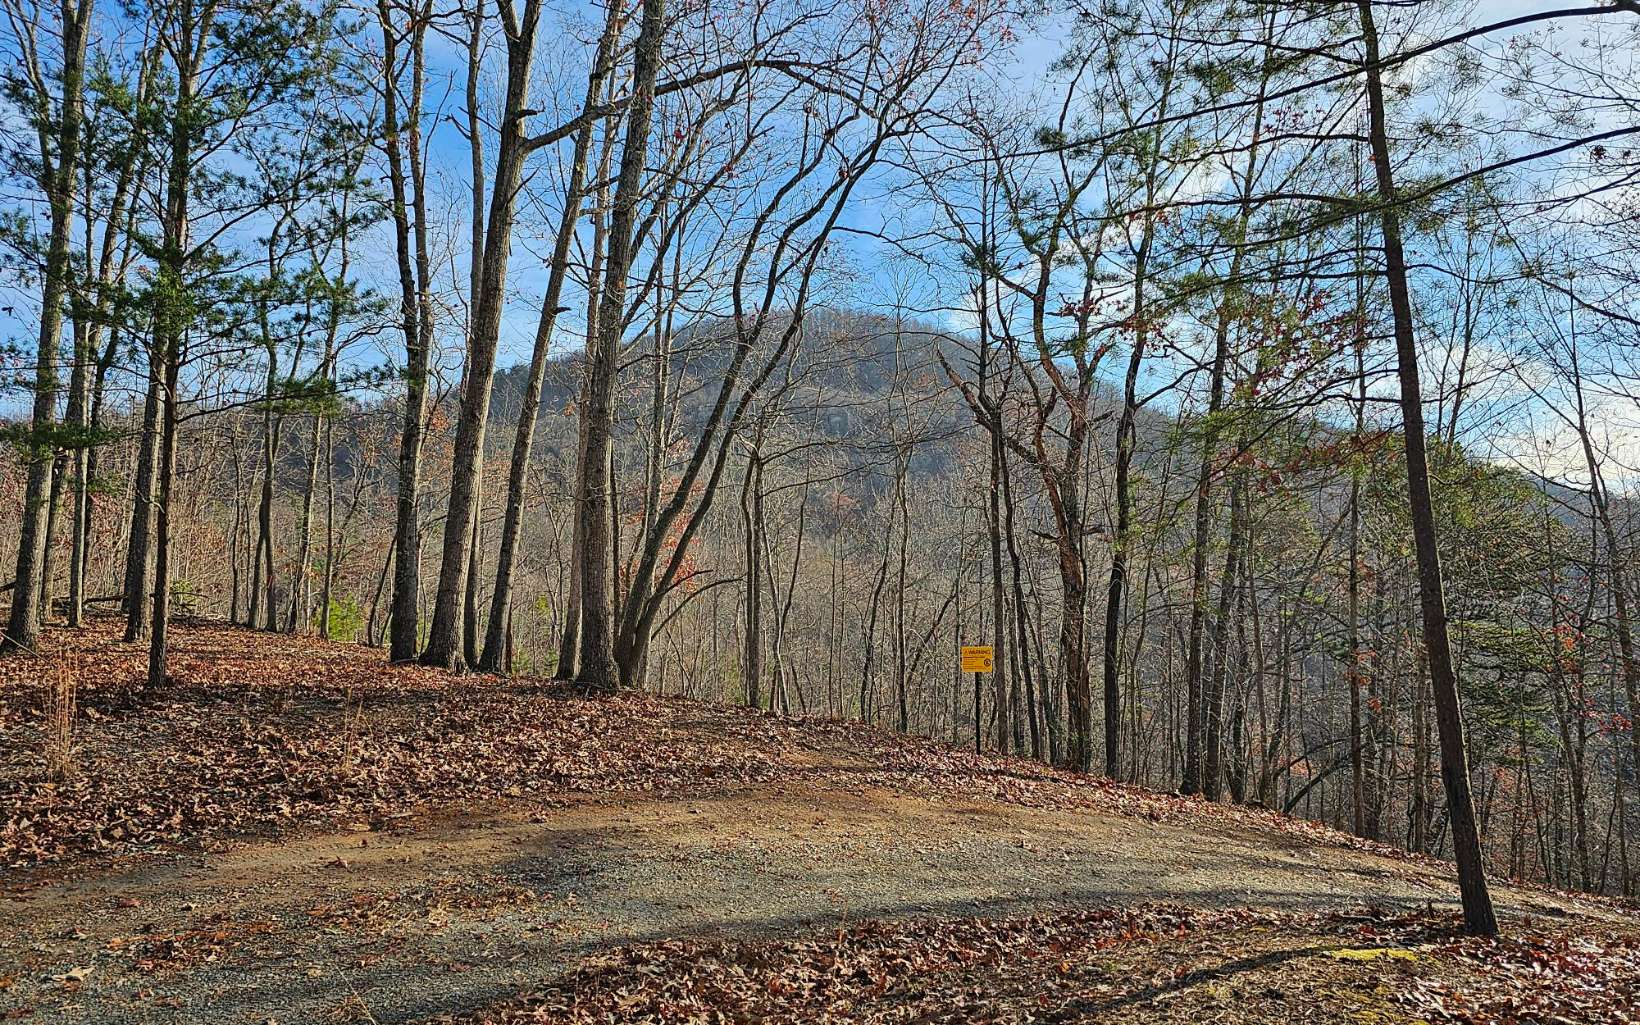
{"points": [[396, 921]]}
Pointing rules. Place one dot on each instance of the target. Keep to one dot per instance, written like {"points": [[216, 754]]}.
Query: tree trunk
{"points": [[1213, 762], [751, 663], [328, 581], [91, 366], [170, 328], [524, 439], [301, 589], [138, 558], [1479, 918], [445, 633], [598, 667], [993, 524], [23, 628], [1125, 439], [416, 322], [159, 602], [1072, 631]]}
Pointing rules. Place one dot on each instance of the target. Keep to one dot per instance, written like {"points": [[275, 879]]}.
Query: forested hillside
{"points": [[1209, 398]]}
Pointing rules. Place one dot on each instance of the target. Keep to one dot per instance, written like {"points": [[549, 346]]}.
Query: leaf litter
{"points": [[258, 734], [1154, 963]]}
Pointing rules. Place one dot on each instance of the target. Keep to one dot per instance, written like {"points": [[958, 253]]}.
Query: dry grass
{"points": [[60, 705], [352, 723]]}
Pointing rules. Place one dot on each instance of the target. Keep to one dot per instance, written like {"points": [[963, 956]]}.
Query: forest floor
{"points": [[294, 831]]}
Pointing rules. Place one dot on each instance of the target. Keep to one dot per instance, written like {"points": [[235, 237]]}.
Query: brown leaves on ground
{"points": [[1151, 964], [1548, 978], [971, 970], [157, 952], [259, 732], [436, 903], [262, 733]]}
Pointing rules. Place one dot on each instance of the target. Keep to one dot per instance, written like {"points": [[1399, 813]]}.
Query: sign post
{"points": [[977, 659]]}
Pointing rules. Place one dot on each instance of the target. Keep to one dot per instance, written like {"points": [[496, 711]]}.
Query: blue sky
{"points": [[562, 68]]}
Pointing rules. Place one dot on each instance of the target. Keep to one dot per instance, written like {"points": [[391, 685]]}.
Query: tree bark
{"points": [[416, 322], [171, 318], [569, 647], [1479, 918], [138, 557], [1213, 746], [23, 627], [524, 439], [445, 633], [751, 664], [598, 668]]}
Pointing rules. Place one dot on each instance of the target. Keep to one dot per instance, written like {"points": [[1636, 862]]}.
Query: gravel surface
{"points": [[397, 921]]}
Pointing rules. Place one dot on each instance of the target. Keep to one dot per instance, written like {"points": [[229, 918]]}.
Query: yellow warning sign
{"points": [[977, 658]]}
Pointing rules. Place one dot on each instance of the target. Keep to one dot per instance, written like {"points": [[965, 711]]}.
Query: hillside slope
{"points": [[297, 832]]}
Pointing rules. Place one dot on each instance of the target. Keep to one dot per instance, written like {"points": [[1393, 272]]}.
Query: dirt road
{"points": [[395, 921]]}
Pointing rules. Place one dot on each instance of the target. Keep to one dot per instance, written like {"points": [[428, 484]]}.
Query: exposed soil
{"points": [[419, 895], [469, 907]]}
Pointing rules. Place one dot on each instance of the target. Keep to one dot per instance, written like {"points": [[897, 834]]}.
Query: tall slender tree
{"points": [[57, 126], [1479, 918]]}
